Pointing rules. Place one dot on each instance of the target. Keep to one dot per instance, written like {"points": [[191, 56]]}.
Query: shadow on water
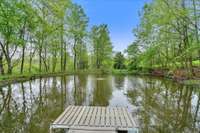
{"points": [[159, 106]]}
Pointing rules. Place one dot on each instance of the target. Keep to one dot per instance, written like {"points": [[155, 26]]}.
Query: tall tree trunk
{"points": [[54, 62], [62, 47], [22, 33], [22, 63], [74, 47], [61, 57], [97, 58], [40, 58], [9, 66], [45, 59], [6, 52], [30, 64], [45, 64], [65, 61], [31, 55], [8, 59], [1, 64]]}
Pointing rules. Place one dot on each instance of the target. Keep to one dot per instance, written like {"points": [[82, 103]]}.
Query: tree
{"points": [[10, 26], [77, 23], [133, 56], [168, 35], [119, 61], [101, 46], [1, 63]]}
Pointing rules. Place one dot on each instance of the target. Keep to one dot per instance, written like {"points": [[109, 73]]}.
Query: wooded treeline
{"points": [[167, 37], [50, 36], [53, 36]]}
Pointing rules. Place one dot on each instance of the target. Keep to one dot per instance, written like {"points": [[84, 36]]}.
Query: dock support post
{"points": [[50, 130]]}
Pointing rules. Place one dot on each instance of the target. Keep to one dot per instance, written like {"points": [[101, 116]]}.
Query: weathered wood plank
{"points": [[66, 115], [108, 117], [112, 117], [121, 116], [84, 115], [102, 121], [130, 118], [88, 118], [92, 121], [77, 121], [128, 121], [62, 115], [76, 114], [97, 120], [70, 116], [117, 120]]}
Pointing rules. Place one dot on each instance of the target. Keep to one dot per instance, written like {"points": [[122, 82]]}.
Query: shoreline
{"points": [[11, 79]]}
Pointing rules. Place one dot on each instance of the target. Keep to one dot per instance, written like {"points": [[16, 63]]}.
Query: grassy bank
{"points": [[179, 75], [16, 77], [7, 79]]}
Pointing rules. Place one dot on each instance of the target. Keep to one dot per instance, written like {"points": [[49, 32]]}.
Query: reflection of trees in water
{"points": [[102, 92], [119, 81], [10, 117], [165, 107], [29, 110], [79, 89]]}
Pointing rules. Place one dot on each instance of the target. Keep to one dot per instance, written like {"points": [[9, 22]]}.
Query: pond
{"points": [[157, 105]]}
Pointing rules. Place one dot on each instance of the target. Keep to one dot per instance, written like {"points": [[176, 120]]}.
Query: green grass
{"points": [[191, 82], [196, 63]]}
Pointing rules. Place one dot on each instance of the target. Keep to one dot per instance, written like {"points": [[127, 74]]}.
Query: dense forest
{"points": [[38, 36], [168, 38], [50, 36]]}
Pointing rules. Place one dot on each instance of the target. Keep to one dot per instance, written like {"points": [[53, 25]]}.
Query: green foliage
{"points": [[119, 61], [101, 47], [50, 36], [77, 23], [167, 37]]}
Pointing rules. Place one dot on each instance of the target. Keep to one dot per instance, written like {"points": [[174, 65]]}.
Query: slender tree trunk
{"points": [[31, 59], [1, 64], [22, 33], [74, 47], [62, 47], [45, 64], [22, 63], [40, 58], [54, 61], [30, 64], [61, 58], [45, 59], [5, 49], [9, 66], [8, 59], [65, 61], [97, 58]]}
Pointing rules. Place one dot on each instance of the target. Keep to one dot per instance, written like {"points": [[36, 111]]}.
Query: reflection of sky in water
{"points": [[119, 100]]}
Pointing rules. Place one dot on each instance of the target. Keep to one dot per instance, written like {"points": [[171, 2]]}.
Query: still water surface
{"points": [[157, 105]]}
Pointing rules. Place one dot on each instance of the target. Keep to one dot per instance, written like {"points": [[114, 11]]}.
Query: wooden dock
{"points": [[94, 119]]}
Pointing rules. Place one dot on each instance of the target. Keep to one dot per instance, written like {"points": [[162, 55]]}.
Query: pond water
{"points": [[157, 105]]}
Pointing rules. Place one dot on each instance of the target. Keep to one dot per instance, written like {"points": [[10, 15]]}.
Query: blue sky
{"points": [[121, 16]]}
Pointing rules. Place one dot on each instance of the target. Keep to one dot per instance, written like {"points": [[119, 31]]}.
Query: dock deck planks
{"points": [[81, 119]]}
